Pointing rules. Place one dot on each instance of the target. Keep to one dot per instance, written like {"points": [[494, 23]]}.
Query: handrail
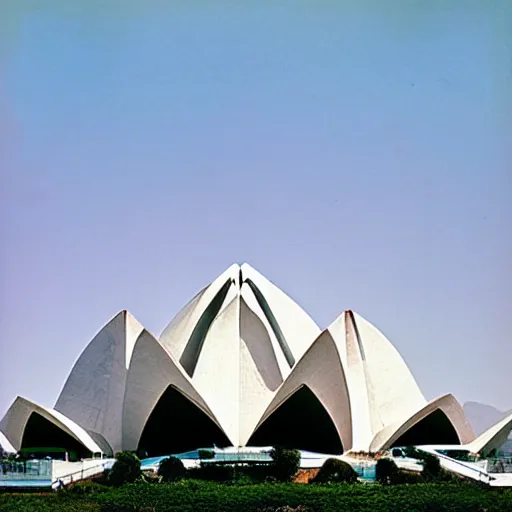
{"points": [[81, 471], [460, 463]]}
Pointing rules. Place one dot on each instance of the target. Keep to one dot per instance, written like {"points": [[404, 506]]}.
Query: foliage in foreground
{"points": [[126, 469], [171, 469], [285, 463], [335, 471], [191, 496], [386, 472]]}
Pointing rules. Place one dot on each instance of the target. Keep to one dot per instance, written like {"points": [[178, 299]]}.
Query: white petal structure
{"points": [[16, 424], [493, 437], [441, 421], [94, 391], [381, 388], [6, 445], [156, 378], [252, 333], [318, 376], [241, 364]]}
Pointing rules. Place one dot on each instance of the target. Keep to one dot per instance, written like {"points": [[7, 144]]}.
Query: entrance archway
{"points": [[436, 428], [42, 435], [177, 425], [301, 422]]}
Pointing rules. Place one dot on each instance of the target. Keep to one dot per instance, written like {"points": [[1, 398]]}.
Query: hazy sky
{"points": [[357, 153]]}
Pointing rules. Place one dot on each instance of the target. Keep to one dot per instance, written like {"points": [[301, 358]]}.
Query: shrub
{"points": [[335, 470], [431, 467], [126, 469], [206, 454], [194, 496], [171, 469], [286, 463], [386, 472], [413, 453]]}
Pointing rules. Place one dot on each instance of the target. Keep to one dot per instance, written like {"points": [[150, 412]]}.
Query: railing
{"points": [[239, 456], [75, 476], [462, 468], [27, 470], [499, 465]]}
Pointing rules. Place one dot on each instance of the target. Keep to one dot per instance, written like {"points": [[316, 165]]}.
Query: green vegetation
{"points": [[191, 496], [285, 463], [126, 469], [431, 467], [206, 454], [171, 470], [386, 472], [214, 487], [335, 471], [213, 472]]}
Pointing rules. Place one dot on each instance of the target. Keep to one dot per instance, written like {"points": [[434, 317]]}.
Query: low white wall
{"points": [[73, 471]]}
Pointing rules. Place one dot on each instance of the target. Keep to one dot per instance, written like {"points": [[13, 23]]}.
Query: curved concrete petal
{"points": [[258, 331], [252, 303], [382, 389], [94, 391], [178, 335], [151, 372], [493, 437], [217, 374], [260, 374], [319, 369], [5, 444], [258, 345], [447, 404], [15, 420], [298, 329]]}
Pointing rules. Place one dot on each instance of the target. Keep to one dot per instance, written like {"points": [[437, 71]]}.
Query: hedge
{"points": [[191, 496]]}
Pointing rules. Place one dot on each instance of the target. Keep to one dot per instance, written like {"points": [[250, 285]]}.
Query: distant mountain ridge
{"points": [[482, 416]]}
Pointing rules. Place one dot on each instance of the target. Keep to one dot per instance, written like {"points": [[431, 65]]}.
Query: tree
{"points": [[126, 469], [386, 472], [171, 469], [413, 453], [335, 470], [431, 467], [285, 463]]}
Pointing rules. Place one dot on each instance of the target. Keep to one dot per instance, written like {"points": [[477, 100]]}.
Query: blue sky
{"points": [[358, 154]]}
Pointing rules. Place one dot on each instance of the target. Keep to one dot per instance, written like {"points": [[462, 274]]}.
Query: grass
{"points": [[193, 496]]}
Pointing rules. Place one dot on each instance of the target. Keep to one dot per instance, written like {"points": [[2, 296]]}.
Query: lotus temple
{"points": [[241, 365]]}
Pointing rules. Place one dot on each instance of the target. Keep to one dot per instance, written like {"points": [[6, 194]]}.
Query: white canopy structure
{"points": [[242, 365]]}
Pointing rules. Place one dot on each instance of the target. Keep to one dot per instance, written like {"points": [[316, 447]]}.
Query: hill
{"points": [[482, 416]]}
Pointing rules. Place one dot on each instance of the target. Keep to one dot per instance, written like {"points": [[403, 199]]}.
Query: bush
{"points": [[431, 467], [126, 469], [286, 463], [413, 453], [386, 472], [193, 496], [335, 470], [171, 469]]}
